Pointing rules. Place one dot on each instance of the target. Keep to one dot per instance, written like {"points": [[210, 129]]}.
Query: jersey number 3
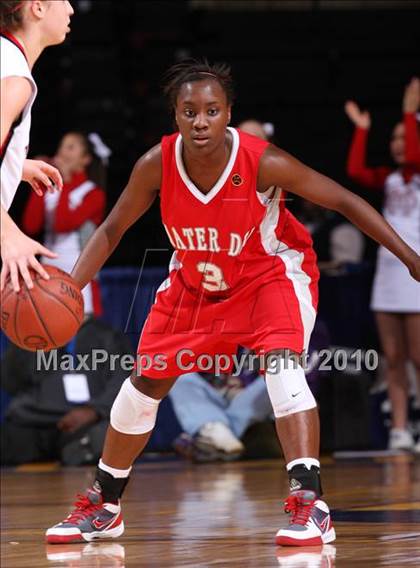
{"points": [[212, 277]]}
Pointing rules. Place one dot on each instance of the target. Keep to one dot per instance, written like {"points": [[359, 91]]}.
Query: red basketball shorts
{"points": [[187, 331]]}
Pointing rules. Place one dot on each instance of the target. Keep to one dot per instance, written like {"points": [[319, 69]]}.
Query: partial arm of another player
{"points": [[280, 168], [15, 93], [17, 250], [135, 200]]}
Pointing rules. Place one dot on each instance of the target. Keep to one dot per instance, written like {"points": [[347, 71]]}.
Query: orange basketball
{"points": [[47, 316]]}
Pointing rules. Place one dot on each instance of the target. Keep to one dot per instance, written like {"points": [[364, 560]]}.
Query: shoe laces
{"points": [[300, 508], [83, 507]]}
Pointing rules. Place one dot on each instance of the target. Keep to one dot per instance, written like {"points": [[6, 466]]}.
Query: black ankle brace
{"points": [[110, 487], [300, 477]]}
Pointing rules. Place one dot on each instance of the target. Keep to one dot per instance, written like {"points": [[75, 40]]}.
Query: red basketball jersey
{"points": [[243, 271], [232, 234]]}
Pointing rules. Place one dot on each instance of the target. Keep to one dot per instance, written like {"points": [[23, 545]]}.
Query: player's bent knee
{"points": [[133, 412], [288, 389]]}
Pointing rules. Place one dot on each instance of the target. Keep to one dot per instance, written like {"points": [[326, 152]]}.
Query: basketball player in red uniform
{"points": [[243, 272], [27, 28]]}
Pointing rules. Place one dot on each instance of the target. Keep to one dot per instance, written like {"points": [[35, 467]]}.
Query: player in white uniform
{"points": [[27, 28]]}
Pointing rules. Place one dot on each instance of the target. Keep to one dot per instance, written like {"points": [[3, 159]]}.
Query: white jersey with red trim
{"points": [[14, 149]]}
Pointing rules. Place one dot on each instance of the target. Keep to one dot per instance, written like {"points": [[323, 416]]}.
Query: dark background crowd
{"points": [[295, 63]]}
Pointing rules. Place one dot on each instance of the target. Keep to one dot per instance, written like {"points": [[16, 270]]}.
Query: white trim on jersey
{"points": [[77, 195], [206, 198], [174, 264], [292, 260]]}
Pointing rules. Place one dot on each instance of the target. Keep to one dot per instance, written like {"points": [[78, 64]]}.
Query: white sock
{"points": [[117, 473], [307, 462]]}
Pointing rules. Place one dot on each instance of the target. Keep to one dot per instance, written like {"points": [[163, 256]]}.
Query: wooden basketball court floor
{"points": [[186, 515]]}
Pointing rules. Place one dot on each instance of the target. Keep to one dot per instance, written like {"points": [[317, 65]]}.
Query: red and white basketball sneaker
{"points": [[91, 519], [310, 522]]}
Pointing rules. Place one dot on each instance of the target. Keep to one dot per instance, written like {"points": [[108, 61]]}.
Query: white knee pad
{"points": [[287, 388], [133, 412]]}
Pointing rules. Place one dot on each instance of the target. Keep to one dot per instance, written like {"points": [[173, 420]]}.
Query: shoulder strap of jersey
{"points": [[168, 142], [10, 37]]}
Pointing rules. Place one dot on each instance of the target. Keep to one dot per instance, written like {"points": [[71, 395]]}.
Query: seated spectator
{"points": [[215, 412], [68, 218], [222, 417], [60, 411]]}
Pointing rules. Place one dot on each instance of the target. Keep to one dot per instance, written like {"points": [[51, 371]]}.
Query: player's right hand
{"points": [[18, 255], [42, 176], [359, 118]]}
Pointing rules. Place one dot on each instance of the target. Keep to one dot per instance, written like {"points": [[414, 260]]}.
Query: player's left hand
{"points": [[41, 176], [76, 418]]}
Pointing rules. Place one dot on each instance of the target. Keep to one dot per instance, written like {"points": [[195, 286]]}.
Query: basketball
{"points": [[47, 316]]}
